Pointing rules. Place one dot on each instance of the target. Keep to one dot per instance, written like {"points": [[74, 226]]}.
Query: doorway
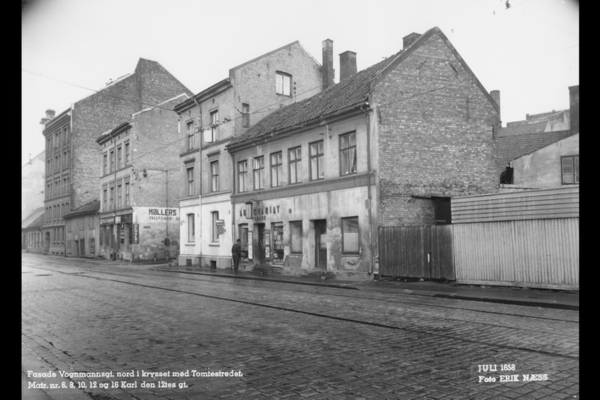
{"points": [[259, 249], [321, 244]]}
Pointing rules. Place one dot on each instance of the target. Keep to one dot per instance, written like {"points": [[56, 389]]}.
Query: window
{"points": [[127, 193], [283, 84], [348, 154], [243, 176], [127, 157], [119, 157], [112, 161], [214, 176], [350, 235], [104, 200], [105, 164], [190, 135], [442, 210], [296, 236], [295, 159], [214, 237], [112, 197], [277, 242], [119, 195], [276, 169], [214, 123], [244, 239], [570, 170], [259, 172], [190, 180], [245, 115], [191, 228], [316, 160]]}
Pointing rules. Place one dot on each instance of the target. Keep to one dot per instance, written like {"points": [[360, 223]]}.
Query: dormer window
{"points": [[283, 84]]}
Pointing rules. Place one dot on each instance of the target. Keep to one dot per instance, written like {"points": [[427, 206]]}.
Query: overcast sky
{"points": [[70, 48]]}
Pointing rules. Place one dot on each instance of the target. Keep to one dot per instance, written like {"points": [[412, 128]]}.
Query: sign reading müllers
{"points": [[157, 214]]}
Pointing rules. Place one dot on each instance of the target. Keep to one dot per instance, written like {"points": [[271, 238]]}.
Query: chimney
{"points": [[347, 64], [496, 96], [409, 39], [328, 72], [574, 108], [49, 116]]}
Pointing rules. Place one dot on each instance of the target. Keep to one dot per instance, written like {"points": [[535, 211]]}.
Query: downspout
{"points": [[369, 183], [200, 227], [114, 204]]}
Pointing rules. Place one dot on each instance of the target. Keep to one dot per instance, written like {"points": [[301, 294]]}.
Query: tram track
{"points": [[430, 331]]}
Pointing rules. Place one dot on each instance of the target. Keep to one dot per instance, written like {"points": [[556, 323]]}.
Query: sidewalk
{"points": [[557, 299]]}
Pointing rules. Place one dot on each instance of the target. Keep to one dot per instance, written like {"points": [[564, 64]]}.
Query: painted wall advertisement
{"points": [[156, 214]]}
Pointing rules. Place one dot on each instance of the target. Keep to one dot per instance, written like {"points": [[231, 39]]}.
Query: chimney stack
{"points": [[49, 116], [328, 71], [409, 39], [574, 108], [496, 96], [347, 64]]}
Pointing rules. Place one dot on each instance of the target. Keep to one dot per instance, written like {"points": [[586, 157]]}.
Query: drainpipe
{"points": [[369, 183]]}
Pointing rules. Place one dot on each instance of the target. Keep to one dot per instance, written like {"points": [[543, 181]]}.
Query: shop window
{"points": [[350, 235], [348, 154], [277, 242], [296, 236], [295, 161], [316, 161], [570, 170], [243, 235], [276, 169]]}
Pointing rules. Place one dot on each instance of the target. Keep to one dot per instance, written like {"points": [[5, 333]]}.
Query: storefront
{"points": [[320, 232], [141, 234]]}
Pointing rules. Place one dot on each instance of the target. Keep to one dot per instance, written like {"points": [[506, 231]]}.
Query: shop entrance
{"points": [[320, 244], [259, 249]]}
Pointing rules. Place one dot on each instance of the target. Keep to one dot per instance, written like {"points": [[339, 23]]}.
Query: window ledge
{"points": [[214, 244]]}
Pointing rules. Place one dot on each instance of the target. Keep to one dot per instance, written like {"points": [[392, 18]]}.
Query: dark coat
{"points": [[236, 250]]}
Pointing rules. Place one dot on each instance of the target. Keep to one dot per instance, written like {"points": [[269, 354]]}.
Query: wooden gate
{"points": [[416, 251]]}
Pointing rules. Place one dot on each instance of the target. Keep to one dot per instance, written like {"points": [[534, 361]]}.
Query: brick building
{"points": [[209, 120], [140, 184], [389, 145], [72, 155]]}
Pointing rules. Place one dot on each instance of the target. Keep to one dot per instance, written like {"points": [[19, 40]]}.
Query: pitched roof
{"points": [[89, 208], [32, 219], [342, 96], [511, 147]]}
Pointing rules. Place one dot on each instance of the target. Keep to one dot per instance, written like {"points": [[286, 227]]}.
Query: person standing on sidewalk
{"points": [[236, 253]]}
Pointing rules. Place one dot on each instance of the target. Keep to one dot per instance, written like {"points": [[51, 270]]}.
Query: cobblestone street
{"points": [[280, 340]]}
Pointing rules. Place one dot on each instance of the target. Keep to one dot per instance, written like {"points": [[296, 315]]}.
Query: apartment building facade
{"points": [[388, 145], [208, 121], [72, 154], [140, 185]]}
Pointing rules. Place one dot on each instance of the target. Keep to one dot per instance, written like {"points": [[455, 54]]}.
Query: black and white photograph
{"points": [[315, 199]]}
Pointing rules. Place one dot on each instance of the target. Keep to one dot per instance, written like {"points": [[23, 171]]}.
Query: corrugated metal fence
{"points": [[416, 251], [526, 238]]}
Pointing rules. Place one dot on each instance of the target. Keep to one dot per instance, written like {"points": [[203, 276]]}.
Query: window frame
{"points": [[245, 115], [295, 164], [190, 135], [292, 224], [348, 149], [344, 250], [214, 234], [574, 174], [214, 176], [190, 181], [276, 169], [214, 123], [260, 179], [243, 176], [191, 228], [318, 157], [280, 83]]}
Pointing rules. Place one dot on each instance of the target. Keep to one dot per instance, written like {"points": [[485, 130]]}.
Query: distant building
{"points": [[31, 232], [32, 185], [82, 230], [140, 185], [72, 155], [209, 120], [387, 146], [537, 156]]}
